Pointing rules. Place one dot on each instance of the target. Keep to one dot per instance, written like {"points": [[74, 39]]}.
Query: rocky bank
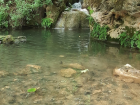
{"points": [[116, 14]]}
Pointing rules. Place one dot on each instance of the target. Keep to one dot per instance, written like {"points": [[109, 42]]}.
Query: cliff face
{"points": [[115, 13]]}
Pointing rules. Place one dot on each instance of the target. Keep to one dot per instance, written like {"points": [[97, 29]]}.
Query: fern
{"points": [[99, 32], [46, 22], [130, 38]]}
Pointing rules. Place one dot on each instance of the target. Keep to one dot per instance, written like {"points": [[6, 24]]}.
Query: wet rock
{"points": [[74, 65], [125, 86], [29, 69], [55, 11], [20, 39], [79, 85], [61, 56], [3, 73], [73, 19], [8, 39], [115, 14], [128, 73], [33, 66], [67, 72], [12, 101], [96, 91], [88, 92]]}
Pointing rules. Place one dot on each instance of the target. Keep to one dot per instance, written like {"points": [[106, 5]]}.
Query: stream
{"points": [[38, 62]]}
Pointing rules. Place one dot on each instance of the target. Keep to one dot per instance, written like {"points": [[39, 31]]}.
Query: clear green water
{"points": [[50, 50]]}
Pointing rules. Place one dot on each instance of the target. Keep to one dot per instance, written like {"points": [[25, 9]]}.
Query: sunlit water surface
{"points": [[49, 50]]}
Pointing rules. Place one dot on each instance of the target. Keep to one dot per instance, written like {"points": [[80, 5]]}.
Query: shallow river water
{"points": [[38, 64]]}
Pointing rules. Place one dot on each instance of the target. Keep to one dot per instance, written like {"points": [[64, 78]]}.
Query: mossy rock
{"points": [[8, 39], [2, 37]]}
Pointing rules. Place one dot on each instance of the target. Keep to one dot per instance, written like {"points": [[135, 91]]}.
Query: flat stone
{"points": [[3, 73], [75, 66], [67, 72]]}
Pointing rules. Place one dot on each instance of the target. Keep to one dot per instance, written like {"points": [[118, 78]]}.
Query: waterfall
{"points": [[77, 5]]}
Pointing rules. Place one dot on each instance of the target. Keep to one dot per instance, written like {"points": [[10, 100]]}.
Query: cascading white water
{"points": [[79, 7]]}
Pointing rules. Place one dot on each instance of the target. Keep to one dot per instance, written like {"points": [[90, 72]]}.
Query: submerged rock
{"points": [[74, 65], [29, 69], [20, 39], [9, 39], [3, 73], [67, 72], [128, 73], [33, 68]]}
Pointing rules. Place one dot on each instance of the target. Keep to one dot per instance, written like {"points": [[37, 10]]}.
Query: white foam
{"points": [[85, 11], [77, 5], [128, 65]]}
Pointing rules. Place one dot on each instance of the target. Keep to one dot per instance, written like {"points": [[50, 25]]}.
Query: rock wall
{"points": [[73, 20], [115, 13]]}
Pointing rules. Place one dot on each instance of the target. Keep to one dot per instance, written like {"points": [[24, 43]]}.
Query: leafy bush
{"points": [[99, 32], [130, 38], [46, 22], [24, 10], [3, 15]]}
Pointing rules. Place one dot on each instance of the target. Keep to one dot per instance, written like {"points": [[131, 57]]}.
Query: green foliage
{"points": [[3, 15], [46, 22], [90, 10], [31, 90], [90, 18], [130, 38], [99, 32], [48, 2], [23, 11]]}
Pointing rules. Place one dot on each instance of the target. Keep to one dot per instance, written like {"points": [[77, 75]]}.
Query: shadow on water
{"points": [[38, 64], [97, 47]]}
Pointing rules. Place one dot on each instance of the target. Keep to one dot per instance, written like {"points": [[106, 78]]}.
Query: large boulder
{"points": [[73, 19], [127, 73]]}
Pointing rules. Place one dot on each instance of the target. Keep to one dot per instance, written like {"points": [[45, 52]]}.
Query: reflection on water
{"points": [[49, 51]]}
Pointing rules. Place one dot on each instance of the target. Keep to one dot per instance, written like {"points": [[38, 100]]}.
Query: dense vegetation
{"points": [[130, 38], [20, 12]]}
